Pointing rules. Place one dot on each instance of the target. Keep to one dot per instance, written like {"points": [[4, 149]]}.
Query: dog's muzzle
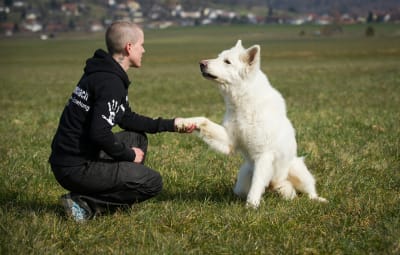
{"points": [[204, 72]]}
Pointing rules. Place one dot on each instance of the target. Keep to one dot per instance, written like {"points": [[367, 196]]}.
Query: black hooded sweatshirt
{"points": [[99, 102]]}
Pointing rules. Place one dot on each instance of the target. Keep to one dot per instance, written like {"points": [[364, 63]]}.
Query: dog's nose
{"points": [[203, 64]]}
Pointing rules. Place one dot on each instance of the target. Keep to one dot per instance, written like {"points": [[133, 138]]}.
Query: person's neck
{"points": [[122, 60]]}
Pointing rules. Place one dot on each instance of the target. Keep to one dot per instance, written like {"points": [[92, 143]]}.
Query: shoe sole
{"points": [[67, 202]]}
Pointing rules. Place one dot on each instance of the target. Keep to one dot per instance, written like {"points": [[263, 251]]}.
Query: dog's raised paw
{"points": [[182, 124]]}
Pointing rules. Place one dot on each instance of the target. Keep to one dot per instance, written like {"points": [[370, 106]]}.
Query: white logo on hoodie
{"points": [[113, 109]]}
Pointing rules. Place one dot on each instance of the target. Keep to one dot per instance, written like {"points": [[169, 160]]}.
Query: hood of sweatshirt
{"points": [[103, 62]]}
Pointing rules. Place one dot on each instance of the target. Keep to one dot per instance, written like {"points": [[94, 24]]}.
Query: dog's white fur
{"points": [[256, 125]]}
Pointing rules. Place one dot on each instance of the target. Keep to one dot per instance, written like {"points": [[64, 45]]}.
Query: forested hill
{"points": [[319, 6]]}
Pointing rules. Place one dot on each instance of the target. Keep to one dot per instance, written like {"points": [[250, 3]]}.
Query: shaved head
{"points": [[119, 34]]}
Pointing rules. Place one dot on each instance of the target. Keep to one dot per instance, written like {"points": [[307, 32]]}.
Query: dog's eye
{"points": [[227, 62]]}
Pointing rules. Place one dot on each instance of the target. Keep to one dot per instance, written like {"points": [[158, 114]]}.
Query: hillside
{"points": [[54, 16], [318, 6]]}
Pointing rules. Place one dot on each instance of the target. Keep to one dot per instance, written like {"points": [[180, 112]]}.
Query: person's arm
{"points": [[139, 123], [105, 108], [135, 122]]}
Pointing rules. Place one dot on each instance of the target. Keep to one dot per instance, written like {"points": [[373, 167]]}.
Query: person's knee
{"points": [[151, 188], [156, 184], [144, 191], [133, 139]]}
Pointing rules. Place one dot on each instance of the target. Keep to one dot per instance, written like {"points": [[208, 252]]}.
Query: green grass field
{"points": [[343, 96]]}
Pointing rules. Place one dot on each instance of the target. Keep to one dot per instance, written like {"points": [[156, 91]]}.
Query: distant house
{"points": [[4, 10], [324, 20], [135, 11], [217, 16], [7, 28], [133, 5], [33, 26], [55, 27], [347, 19], [96, 27], [190, 15], [70, 9], [31, 22], [19, 4], [158, 12]]}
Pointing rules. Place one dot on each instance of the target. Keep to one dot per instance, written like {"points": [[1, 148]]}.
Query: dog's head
{"points": [[232, 66]]}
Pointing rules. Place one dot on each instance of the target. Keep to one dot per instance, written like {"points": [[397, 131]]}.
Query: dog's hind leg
{"points": [[285, 189], [262, 175], [243, 181], [303, 180], [280, 181]]}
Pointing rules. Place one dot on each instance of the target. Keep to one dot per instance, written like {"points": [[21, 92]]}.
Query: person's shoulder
{"points": [[108, 83], [105, 75], [107, 79]]}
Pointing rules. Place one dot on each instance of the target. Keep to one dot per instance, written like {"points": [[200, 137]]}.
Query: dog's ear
{"points": [[239, 44], [252, 56]]}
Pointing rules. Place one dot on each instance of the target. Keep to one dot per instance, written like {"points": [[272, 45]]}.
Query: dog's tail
{"points": [[302, 179]]}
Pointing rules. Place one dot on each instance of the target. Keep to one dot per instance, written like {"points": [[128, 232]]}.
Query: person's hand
{"points": [[181, 128], [139, 155]]}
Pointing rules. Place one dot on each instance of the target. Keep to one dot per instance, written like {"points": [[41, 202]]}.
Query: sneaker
{"points": [[73, 209]]}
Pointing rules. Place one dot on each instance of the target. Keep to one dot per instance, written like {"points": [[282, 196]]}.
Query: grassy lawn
{"points": [[343, 96]]}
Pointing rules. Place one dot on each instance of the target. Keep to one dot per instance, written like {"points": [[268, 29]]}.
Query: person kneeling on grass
{"points": [[103, 170]]}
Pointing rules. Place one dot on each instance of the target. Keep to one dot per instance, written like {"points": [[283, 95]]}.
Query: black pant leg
{"points": [[133, 139], [106, 183], [121, 182], [130, 139]]}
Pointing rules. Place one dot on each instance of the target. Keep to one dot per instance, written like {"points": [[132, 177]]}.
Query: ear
{"points": [[128, 47], [252, 56], [239, 44]]}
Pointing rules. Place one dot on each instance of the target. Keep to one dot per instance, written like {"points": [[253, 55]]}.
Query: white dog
{"points": [[255, 124]]}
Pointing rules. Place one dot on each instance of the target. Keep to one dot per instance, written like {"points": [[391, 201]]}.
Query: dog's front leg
{"points": [[263, 172], [243, 181], [210, 132]]}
